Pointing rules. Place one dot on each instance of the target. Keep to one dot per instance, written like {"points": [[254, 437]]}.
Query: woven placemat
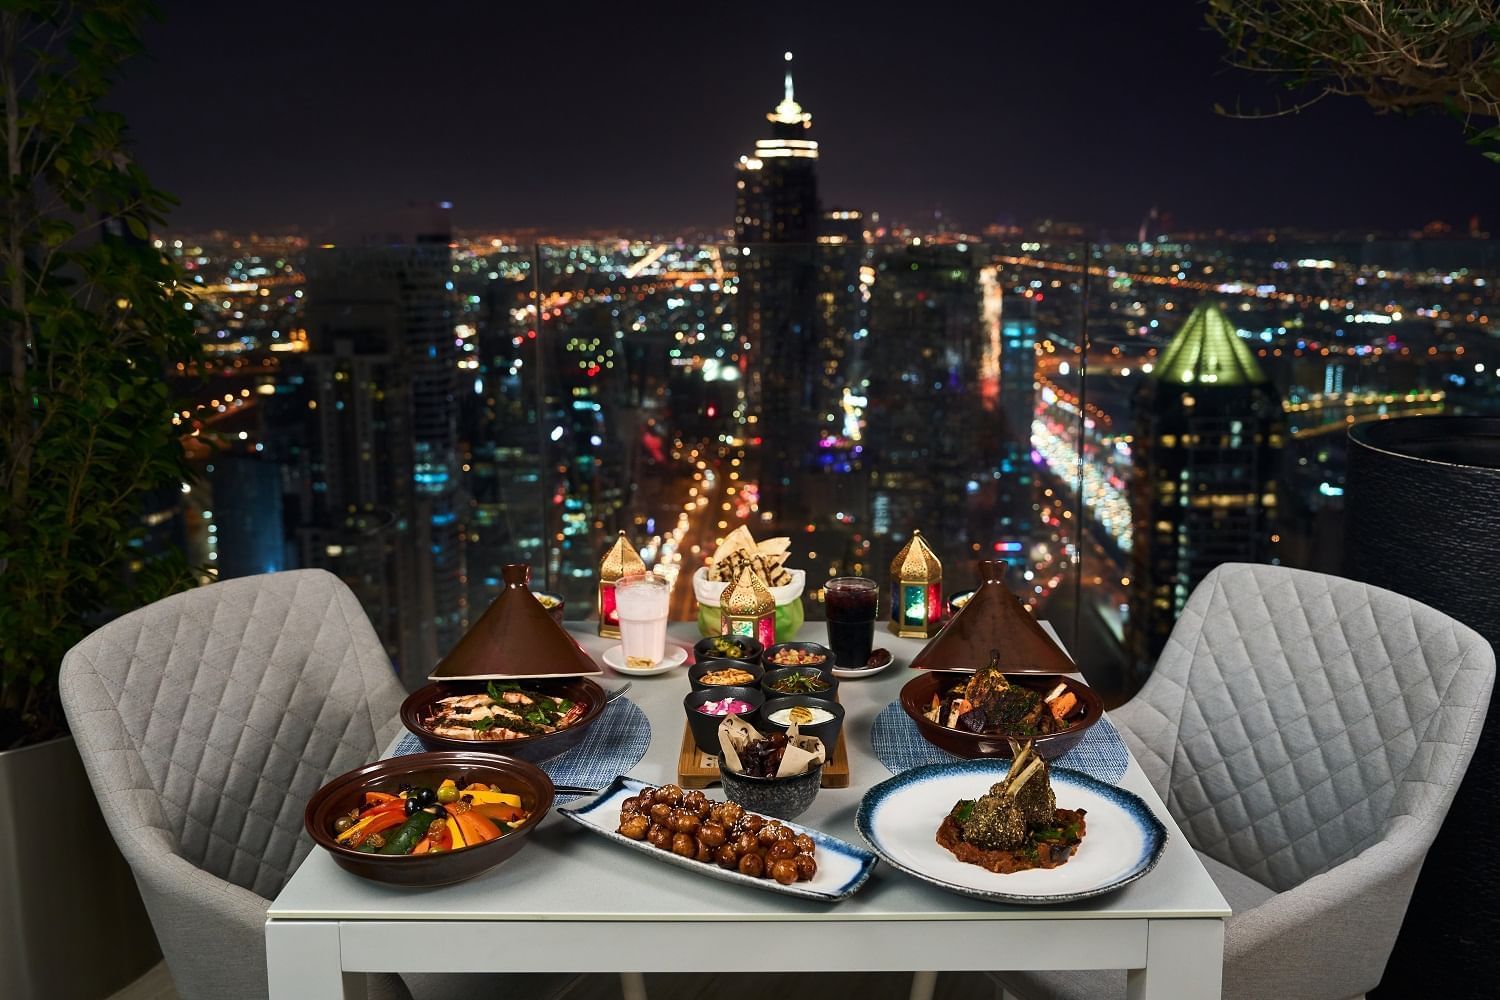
{"points": [[900, 746], [613, 745]]}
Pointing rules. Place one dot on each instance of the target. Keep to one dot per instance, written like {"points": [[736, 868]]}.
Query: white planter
{"points": [[71, 922]]}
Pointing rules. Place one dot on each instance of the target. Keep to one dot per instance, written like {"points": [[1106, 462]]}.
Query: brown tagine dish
{"points": [[1016, 825], [691, 825]]}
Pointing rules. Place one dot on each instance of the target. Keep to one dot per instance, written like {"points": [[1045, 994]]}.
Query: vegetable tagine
{"points": [[421, 820], [690, 825], [1017, 825], [505, 711], [989, 703]]}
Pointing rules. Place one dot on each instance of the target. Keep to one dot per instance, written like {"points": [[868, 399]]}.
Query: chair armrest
{"points": [[1331, 935]]}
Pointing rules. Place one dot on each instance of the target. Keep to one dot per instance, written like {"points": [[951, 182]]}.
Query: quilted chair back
{"points": [[1295, 719], [205, 722]]}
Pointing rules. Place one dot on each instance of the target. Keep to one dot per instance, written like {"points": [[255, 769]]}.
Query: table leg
{"points": [[633, 985], [1184, 961], [923, 984], [303, 963]]}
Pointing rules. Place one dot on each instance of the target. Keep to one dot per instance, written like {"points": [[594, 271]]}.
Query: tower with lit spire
{"points": [[1208, 430], [776, 229]]}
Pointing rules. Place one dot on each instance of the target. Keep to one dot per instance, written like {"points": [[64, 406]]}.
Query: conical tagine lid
{"points": [[515, 639], [993, 621]]}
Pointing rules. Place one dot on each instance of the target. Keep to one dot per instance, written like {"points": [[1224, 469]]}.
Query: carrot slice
{"points": [[500, 812], [377, 798], [476, 829]]}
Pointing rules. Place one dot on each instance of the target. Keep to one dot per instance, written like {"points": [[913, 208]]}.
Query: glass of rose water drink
{"points": [[641, 601]]}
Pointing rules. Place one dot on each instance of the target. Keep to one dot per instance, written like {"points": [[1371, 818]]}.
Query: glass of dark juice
{"points": [[851, 619]]}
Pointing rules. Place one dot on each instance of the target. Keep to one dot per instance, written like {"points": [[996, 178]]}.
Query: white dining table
{"points": [[572, 901]]}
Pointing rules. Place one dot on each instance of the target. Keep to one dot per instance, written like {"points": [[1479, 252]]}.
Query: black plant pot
{"points": [[1422, 518]]}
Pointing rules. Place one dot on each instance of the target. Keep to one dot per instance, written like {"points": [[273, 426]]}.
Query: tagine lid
{"points": [[994, 621], [515, 639]]}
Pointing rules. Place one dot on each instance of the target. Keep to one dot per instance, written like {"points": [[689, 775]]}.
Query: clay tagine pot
{"points": [[516, 638], [994, 620]]}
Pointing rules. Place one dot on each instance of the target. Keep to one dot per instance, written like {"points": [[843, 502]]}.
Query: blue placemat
{"points": [[900, 746], [614, 744]]}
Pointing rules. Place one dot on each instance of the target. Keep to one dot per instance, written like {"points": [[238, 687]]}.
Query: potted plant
{"points": [[91, 318]]}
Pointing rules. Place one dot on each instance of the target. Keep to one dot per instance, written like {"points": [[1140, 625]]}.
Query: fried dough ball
{"points": [[804, 844], [726, 857], [712, 834], [695, 801], [767, 835], [703, 852], [806, 866], [629, 806], [635, 826], [660, 813], [670, 794], [685, 822], [731, 813], [782, 850], [684, 845], [745, 843], [752, 864], [784, 871]]}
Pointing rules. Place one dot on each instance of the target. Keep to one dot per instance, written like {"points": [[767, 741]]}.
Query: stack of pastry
{"points": [[740, 551]]}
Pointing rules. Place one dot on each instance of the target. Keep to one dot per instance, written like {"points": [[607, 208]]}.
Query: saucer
{"points": [[615, 656], [881, 657]]}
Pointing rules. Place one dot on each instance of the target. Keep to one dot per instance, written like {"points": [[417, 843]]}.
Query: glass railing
{"points": [[1111, 420]]}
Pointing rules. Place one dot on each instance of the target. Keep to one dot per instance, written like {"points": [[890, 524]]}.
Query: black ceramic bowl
{"points": [[706, 727], [916, 697], [816, 648], [416, 712], [697, 670], [346, 792], [704, 649], [828, 731], [957, 601], [824, 674], [784, 798], [554, 603]]}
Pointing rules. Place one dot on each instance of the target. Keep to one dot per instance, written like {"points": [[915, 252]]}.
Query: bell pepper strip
{"points": [[476, 829], [500, 812], [373, 822], [494, 798], [380, 798], [455, 835]]}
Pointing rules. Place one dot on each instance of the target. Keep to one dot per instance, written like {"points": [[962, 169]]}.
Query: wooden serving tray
{"points": [[696, 769]]}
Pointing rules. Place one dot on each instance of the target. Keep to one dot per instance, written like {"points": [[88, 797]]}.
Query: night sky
{"points": [[579, 115]]}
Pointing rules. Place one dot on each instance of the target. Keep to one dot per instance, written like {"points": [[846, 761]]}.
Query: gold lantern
{"points": [[748, 609], [916, 590], [620, 561]]}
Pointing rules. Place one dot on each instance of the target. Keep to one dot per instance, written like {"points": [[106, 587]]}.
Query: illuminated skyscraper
{"points": [[378, 466], [776, 228], [1208, 429]]}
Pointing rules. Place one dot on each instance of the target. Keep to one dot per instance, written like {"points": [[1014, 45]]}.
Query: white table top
{"points": [[566, 873]]}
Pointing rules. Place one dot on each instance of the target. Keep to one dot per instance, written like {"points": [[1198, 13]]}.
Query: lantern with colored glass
{"points": [[916, 590], [620, 561], [748, 609]]}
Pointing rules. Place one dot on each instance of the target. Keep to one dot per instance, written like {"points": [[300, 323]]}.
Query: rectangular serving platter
{"points": [[842, 867]]}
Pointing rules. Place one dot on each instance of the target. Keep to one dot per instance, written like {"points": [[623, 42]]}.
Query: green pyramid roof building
{"points": [[1207, 351]]}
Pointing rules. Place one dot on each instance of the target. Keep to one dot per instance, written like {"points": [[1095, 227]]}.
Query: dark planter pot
{"points": [[66, 886], [1422, 518]]}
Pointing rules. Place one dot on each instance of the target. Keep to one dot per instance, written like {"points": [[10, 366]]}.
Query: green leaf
{"points": [[137, 228]]}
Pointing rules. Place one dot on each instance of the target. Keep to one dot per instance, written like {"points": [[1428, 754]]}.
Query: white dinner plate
{"points": [[615, 656], [842, 867], [900, 817]]}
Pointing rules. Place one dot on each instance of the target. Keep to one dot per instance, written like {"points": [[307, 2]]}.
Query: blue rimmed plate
{"points": [[842, 867], [899, 818]]}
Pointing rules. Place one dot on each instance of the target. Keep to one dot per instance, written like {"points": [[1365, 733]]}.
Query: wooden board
{"points": [[696, 769]]}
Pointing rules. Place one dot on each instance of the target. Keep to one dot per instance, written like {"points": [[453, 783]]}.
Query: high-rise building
{"points": [[1208, 432], [776, 228], [378, 460]]}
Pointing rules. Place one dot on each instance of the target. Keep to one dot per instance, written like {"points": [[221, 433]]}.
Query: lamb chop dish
{"points": [[1017, 825]]}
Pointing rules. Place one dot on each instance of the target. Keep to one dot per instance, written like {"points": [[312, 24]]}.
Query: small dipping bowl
{"points": [[783, 798], [704, 649], [816, 648], [697, 671], [825, 674], [554, 603], [705, 728], [828, 731]]}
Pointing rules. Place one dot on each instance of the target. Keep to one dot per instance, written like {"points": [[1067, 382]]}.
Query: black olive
{"points": [[424, 796], [411, 805]]}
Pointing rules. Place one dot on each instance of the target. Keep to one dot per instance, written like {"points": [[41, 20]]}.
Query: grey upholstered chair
{"points": [[1308, 734], [205, 723]]}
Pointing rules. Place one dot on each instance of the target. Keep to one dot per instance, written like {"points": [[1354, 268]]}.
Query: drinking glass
{"points": [[852, 605], [641, 601]]}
